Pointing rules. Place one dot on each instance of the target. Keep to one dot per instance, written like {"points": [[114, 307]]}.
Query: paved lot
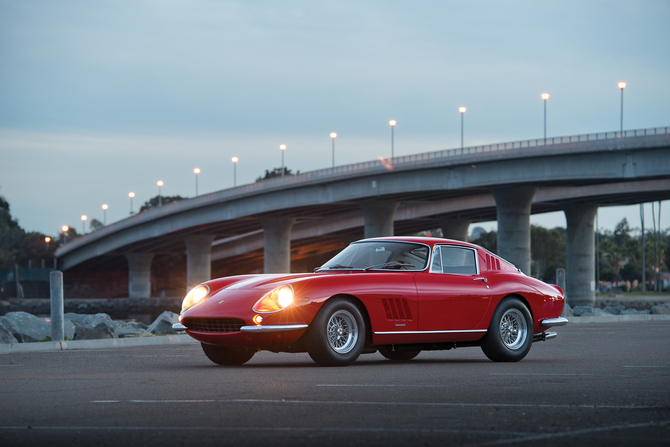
{"points": [[596, 384]]}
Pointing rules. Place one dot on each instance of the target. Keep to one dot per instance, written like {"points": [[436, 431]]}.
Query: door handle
{"points": [[481, 279]]}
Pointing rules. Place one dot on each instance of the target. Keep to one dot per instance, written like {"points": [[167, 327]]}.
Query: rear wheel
{"points": [[399, 355], [227, 356], [337, 334], [510, 333]]}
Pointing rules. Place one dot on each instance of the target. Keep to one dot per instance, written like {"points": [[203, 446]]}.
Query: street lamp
{"points": [[83, 223], [104, 213], [283, 148], [47, 240], [196, 171], [65, 229], [462, 110], [545, 96], [160, 198], [333, 135], [131, 195], [622, 85], [392, 123], [235, 160]]}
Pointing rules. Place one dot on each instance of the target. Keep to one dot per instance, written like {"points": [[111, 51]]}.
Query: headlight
{"points": [[196, 295], [280, 298]]}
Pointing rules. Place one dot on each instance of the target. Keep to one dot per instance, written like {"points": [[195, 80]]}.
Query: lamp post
{"points": [[392, 124], [462, 110], [283, 148], [160, 198], [47, 240], [131, 195], [104, 213], [65, 229], [622, 85], [83, 223], [545, 96], [196, 171], [235, 160], [333, 135]]}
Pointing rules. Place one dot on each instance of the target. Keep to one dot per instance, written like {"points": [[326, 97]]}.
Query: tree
{"points": [[276, 172], [488, 240], [96, 224], [153, 202], [547, 251]]}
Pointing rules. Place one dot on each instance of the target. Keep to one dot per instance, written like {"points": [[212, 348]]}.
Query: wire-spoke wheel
{"points": [[508, 338], [337, 334]]}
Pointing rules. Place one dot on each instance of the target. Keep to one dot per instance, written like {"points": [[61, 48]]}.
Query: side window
{"points": [[458, 260]]}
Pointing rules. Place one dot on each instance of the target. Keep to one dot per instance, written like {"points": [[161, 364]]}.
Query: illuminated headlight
{"points": [[278, 299], [195, 296]]}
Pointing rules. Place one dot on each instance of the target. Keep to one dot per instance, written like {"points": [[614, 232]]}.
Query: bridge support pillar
{"points": [[277, 253], [139, 274], [198, 259], [378, 216], [454, 227], [513, 208], [580, 272]]}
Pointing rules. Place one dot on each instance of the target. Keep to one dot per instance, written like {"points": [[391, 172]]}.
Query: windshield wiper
{"points": [[336, 266], [388, 265]]}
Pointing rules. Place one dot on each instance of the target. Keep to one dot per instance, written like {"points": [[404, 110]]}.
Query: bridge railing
{"points": [[382, 164]]}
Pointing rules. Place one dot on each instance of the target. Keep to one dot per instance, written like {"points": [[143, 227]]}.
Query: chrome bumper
{"points": [[274, 328], [178, 327], [560, 321]]}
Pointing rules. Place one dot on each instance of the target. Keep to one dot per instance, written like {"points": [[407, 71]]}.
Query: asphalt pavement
{"points": [[595, 384]]}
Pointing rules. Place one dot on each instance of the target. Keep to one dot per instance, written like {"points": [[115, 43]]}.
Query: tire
{"points": [[510, 333], [227, 356], [337, 334], [400, 355]]}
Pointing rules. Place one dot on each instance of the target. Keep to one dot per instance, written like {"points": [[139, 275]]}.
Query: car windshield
{"points": [[380, 255]]}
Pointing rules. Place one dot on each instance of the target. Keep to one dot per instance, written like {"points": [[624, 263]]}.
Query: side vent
{"points": [[397, 309]]}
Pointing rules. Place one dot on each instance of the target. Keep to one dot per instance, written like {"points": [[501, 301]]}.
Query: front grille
{"points": [[213, 324]]}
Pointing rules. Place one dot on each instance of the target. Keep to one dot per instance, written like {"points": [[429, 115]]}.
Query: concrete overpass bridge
{"points": [[322, 210]]}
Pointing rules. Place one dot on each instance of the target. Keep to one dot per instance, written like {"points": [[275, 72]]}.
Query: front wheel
{"points": [[337, 334], [510, 332], [227, 356]]}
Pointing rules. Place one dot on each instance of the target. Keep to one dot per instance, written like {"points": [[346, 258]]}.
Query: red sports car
{"points": [[395, 295]]}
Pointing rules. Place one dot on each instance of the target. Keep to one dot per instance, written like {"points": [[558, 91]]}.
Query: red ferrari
{"points": [[395, 295]]}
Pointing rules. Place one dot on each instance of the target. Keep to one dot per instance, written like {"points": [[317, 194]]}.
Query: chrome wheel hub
{"points": [[513, 329], [342, 332]]}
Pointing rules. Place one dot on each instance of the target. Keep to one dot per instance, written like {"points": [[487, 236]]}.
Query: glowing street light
{"points": [[83, 223], [283, 148], [160, 198], [462, 110], [131, 195], [545, 96], [47, 240], [392, 123], [333, 135], [235, 160], [65, 229], [196, 171], [622, 85], [104, 213]]}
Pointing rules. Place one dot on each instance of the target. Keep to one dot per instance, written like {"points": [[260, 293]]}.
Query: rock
{"points": [[132, 328], [6, 332], [661, 309], [163, 323], [598, 311], [583, 311], [613, 310], [92, 327], [27, 327]]}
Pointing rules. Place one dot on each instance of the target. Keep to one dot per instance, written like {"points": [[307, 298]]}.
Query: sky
{"points": [[98, 99]]}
